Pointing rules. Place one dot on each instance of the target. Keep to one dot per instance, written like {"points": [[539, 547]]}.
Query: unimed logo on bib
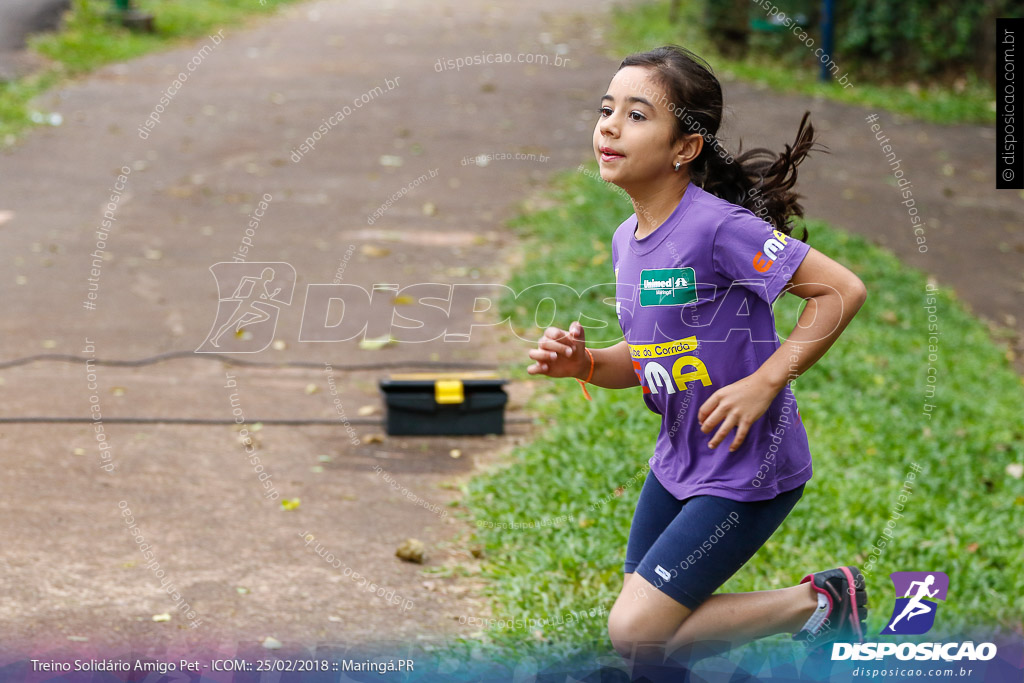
{"points": [[914, 612], [667, 286]]}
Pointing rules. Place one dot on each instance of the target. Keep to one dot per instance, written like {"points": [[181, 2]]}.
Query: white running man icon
{"points": [[247, 312], [915, 606]]}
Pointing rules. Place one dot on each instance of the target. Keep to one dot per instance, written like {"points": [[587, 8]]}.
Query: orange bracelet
{"points": [[582, 382]]}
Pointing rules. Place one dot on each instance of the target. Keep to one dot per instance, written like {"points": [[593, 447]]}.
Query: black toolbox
{"points": [[444, 403]]}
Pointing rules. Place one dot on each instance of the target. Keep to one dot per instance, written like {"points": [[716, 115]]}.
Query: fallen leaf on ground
{"points": [[374, 251], [411, 550], [374, 344]]}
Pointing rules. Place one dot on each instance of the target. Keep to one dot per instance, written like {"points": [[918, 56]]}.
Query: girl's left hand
{"points": [[737, 405]]}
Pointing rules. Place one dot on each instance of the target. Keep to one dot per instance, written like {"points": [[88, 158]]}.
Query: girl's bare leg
{"points": [[647, 624]]}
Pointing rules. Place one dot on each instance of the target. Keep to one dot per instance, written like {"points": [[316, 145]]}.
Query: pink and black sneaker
{"points": [[842, 607]]}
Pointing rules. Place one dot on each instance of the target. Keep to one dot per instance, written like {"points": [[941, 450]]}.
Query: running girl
{"points": [[697, 272]]}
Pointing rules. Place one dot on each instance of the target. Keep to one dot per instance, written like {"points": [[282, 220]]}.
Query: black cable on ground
{"points": [[232, 360], [209, 421]]}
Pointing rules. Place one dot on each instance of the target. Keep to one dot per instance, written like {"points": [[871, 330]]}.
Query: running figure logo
{"points": [[247, 319], [914, 613]]}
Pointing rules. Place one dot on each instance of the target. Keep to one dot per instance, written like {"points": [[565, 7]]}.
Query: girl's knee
{"points": [[629, 627], [620, 632]]}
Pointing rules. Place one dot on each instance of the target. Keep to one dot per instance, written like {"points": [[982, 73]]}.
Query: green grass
{"points": [[861, 404], [89, 40], [646, 26]]}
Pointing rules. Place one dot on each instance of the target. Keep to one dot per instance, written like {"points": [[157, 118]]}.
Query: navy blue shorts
{"points": [[688, 548]]}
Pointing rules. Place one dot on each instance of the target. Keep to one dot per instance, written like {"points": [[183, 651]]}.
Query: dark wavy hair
{"points": [[759, 180]]}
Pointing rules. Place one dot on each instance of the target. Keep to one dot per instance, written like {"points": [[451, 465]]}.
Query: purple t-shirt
{"points": [[694, 300]]}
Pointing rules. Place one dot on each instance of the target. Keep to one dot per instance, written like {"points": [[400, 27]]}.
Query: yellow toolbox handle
{"points": [[448, 391]]}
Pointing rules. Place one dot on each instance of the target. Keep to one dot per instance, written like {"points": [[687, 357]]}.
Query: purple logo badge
{"points": [[916, 596]]}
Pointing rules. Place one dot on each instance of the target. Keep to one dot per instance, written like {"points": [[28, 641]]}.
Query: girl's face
{"points": [[633, 136]]}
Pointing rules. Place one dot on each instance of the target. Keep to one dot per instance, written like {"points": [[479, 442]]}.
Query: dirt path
{"points": [[18, 20], [224, 139]]}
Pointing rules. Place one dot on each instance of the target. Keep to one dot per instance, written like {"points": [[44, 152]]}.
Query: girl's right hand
{"points": [[560, 353]]}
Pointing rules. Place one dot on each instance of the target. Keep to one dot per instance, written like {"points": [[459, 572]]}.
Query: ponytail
{"points": [[759, 180]]}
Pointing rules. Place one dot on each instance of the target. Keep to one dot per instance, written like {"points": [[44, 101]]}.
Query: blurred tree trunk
{"points": [[728, 25], [985, 57]]}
